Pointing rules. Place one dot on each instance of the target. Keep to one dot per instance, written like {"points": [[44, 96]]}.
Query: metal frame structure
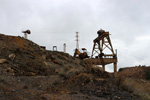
{"points": [[54, 48], [100, 44]]}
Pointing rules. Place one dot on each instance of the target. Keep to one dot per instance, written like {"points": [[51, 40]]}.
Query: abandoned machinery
{"points": [[99, 56], [81, 55]]}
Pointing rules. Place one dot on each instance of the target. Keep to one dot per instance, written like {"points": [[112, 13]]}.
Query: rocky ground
{"points": [[28, 72], [135, 80]]}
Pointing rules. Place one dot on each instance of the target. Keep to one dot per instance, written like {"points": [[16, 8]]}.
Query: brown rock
{"points": [[2, 61]]}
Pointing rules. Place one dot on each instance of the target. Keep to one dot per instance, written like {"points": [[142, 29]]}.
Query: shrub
{"points": [[120, 69], [147, 75], [61, 74]]}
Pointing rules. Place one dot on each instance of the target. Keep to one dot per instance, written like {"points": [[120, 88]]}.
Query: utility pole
{"points": [[64, 47], [77, 41]]}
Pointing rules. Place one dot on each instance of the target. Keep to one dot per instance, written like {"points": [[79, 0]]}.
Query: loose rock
{"points": [[2, 61], [12, 56]]}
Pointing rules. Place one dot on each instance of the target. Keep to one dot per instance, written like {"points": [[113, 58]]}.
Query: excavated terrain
{"points": [[28, 72]]}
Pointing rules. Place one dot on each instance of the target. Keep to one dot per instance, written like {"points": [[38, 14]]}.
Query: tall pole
{"points": [[25, 35], [77, 41], [64, 47]]}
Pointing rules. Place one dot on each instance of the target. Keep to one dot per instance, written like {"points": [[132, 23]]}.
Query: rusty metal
{"points": [[77, 53], [98, 56], [80, 55], [102, 61]]}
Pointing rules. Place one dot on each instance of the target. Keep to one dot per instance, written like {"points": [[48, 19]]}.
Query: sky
{"points": [[55, 22]]}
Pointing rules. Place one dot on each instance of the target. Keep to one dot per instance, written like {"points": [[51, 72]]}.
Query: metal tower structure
{"points": [[101, 43], [99, 57]]}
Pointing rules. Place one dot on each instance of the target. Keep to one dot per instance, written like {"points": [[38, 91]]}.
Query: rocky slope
{"points": [[29, 72], [136, 80]]}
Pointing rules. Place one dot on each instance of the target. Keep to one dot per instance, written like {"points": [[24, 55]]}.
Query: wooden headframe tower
{"points": [[101, 43]]}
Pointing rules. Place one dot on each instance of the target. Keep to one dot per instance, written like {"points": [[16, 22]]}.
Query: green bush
{"points": [[147, 75], [120, 69]]}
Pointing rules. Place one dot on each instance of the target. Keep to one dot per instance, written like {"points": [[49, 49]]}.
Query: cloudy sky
{"points": [[55, 22]]}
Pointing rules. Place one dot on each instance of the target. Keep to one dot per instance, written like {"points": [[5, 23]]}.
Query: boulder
{"points": [[2, 61], [12, 56]]}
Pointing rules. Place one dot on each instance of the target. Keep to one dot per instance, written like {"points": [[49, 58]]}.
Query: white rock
{"points": [[12, 56]]}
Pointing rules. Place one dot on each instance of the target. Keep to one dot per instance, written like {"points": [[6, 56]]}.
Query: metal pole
{"points": [[25, 35], [77, 41], [103, 66], [64, 47], [115, 69]]}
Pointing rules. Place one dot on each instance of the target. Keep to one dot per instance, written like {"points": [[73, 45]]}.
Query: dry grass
{"points": [[133, 79], [138, 87]]}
